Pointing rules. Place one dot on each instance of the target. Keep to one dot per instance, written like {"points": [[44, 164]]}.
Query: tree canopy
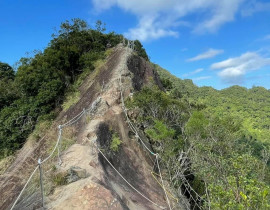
{"points": [[213, 144], [37, 88]]}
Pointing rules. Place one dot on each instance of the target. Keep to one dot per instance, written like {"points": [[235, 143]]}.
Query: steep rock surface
{"points": [[103, 188]]}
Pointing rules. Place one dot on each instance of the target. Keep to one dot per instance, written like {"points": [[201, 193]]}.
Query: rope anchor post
{"points": [[59, 145], [41, 181]]}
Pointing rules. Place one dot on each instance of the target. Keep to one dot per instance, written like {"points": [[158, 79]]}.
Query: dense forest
{"points": [[249, 105], [214, 144]]}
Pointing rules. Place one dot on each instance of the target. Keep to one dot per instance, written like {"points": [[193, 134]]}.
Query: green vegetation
{"points": [[140, 50], [215, 141], [71, 99], [37, 89], [59, 179], [249, 105], [5, 163], [160, 131], [40, 85], [115, 143], [41, 129]]}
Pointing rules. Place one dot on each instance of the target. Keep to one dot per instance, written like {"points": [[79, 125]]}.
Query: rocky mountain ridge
{"points": [[98, 186]]}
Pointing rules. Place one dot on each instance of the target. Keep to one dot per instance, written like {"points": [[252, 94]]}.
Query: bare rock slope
{"points": [[102, 188]]}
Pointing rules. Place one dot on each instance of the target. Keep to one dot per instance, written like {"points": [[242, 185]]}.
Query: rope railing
{"points": [[26, 184], [162, 182], [57, 147], [170, 194], [133, 128], [49, 157], [137, 135], [140, 193], [74, 120], [70, 121]]}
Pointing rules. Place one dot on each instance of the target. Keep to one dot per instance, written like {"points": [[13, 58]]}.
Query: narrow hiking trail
{"points": [[103, 188]]}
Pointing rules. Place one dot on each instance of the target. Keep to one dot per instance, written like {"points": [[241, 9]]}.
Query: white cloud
{"points": [[208, 54], [223, 12], [254, 6], [264, 38], [193, 72], [103, 4], [147, 29], [233, 70], [201, 78], [267, 37], [159, 18]]}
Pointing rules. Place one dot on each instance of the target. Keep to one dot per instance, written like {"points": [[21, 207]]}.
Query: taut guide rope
{"points": [[60, 127], [134, 130], [74, 120], [126, 180]]}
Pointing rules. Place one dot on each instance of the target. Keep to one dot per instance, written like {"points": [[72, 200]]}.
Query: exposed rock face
{"points": [[143, 72], [90, 196], [94, 184], [76, 173]]}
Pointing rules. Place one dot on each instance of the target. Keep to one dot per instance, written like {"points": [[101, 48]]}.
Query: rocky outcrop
{"points": [[143, 72], [76, 173], [92, 182]]}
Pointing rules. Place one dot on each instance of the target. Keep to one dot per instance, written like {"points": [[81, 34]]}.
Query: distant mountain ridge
{"points": [[118, 132], [250, 105]]}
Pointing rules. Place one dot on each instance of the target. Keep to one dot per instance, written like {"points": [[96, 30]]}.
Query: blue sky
{"points": [[214, 43]]}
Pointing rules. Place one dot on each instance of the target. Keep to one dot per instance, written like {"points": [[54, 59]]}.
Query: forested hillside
{"points": [[250, 106], [214, 144]]}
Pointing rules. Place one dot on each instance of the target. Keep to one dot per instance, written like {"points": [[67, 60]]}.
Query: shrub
{"points": [[115, 143], [59, 179]]}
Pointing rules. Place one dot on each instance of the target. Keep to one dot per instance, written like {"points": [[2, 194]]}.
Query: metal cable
{"points": [[161, 207], [58, 140], [72, 119], [24, 187], [69, 123], [168, 201], [133, 128]]}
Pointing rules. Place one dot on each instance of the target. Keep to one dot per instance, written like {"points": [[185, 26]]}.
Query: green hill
{"points": [[214, 144]]}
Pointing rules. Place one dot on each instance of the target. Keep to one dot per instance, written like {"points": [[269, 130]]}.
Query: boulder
{"points": [[76, 173]]}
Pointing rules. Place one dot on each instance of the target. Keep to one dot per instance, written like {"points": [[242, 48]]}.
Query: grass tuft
{"points": [[71, 99], [115, 143], [5, 163], [59, 179]]}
